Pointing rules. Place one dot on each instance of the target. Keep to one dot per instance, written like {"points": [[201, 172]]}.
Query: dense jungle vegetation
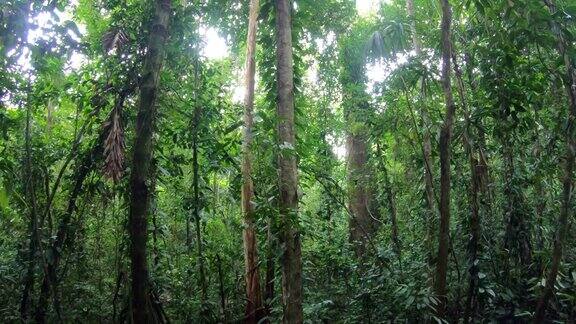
{"points": [[295, 161]]}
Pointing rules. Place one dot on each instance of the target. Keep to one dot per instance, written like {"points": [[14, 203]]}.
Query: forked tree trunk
{"points": [[254, 311], [568, 184], [288, 181], [139, 191], [445, 142]]}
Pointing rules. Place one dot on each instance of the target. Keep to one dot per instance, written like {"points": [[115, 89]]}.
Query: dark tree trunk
{"points": [[445, 148], [270, 269], [139, 191], [568, 181], [196, 211], [224, 318], [254, 311], [288, 180], [34, 239]]}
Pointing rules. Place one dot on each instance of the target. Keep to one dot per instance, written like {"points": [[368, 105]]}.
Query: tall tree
{"points": [[364, 215], [254, 311], [568, 180], [139, 191], [288, 178], [445, 142]]}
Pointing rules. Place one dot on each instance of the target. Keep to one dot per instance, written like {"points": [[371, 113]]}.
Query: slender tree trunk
{"points": [[224, 318], [568, 181], [196, 211], [517, 236], [270, 269], [288, 179], [139, 191], [426, 146], [445, 143], [254, 310], [34, 239], [473, 193], [154, 215], [391, 203]]}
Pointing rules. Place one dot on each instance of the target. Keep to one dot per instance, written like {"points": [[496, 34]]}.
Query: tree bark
{"points": [[139, 191], [288, 180], [254, 311], [445, 143], [568, 184]]}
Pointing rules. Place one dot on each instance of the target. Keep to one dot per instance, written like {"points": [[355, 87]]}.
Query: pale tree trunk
{"points": [[139, 191], [568, 184], [445, 142], [364, 221], [364, 215], [254, 311], [426, 146], [288, 181]]}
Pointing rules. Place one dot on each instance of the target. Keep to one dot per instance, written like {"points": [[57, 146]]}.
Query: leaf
{"points": [[3, 197]]}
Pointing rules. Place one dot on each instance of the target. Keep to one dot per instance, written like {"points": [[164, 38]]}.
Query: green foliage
{"points": [[75, 64]]}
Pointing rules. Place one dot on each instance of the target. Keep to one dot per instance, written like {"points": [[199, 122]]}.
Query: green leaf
{"points": [[3, 197]]}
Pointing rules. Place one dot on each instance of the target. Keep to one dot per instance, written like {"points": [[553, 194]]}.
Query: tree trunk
{"points": [[391, 203], [473, 193], [517, 236], [364, 215], [254, 311], [288, 181], [196, 212], [270, 269], [568, 184], [34, 239], [445, 143], [224, 317], [139, 191]]}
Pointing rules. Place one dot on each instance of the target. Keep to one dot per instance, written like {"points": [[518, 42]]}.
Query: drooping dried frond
{"points": [[114, 146], [113, 39]]}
